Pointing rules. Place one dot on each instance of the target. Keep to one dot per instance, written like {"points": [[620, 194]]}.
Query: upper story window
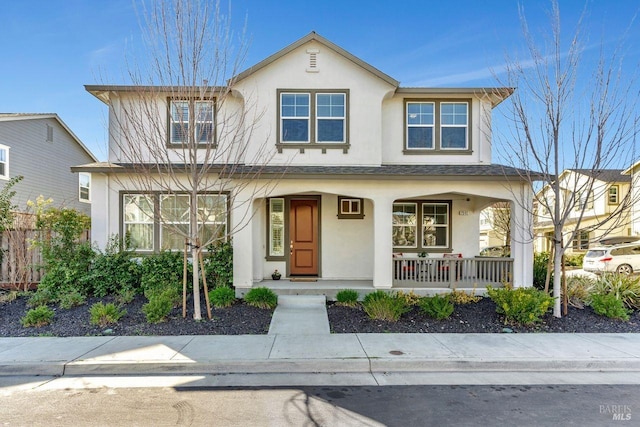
{"points": [[614, 195], [191, 120], [84, 190], [584, 200], [313, 119], [4, 162], [437, 126]]}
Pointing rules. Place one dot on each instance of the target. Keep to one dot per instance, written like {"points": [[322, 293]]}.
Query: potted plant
{"points": [[276, 275]]}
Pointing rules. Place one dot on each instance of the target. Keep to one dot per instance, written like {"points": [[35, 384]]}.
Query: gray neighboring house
{"points": [[42, 149]]}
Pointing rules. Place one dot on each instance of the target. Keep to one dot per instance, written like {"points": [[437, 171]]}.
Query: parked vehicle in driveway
{"points": [[622, 259]]}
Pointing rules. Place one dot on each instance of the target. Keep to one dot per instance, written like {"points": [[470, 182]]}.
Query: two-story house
{"points": [[369, 177], [634, 176], [604, 211], [42, 149]]}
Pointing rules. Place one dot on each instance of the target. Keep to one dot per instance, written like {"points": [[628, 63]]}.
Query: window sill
{"points": [[410, 152], [313, 146]]}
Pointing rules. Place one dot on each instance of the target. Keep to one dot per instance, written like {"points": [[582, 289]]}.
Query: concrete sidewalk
{"points": [[326, 353]]}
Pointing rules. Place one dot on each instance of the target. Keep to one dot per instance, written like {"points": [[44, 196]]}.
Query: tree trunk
{"points": [[557, 278], [195, 252]]}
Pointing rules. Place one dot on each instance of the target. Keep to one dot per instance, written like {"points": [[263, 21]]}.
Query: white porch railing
{"points": [[451, 272]]}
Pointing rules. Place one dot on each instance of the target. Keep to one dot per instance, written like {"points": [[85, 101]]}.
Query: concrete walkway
{"points": [[300, 315], [346, 358]]}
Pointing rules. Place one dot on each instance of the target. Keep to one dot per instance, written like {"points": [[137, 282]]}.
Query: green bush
{"points": [[540, 261], [462, 297], [125, 296], [113, 271], [41, 297], [261, 298], [105, 314], [162, 270], [373, 296], [222, 297], [386, 307], [218, 264], [522, 306], [437, 306], [37, 317], [410, 298], [160, 304], [71, 299], [574, 260], [347, 297], [610, 306], [578, 289], [624, 288]]}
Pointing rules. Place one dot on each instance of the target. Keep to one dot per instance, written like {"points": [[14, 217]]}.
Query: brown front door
{"points": [[303, 232]]}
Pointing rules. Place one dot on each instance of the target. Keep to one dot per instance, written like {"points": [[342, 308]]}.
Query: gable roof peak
{"points": [[314, 36]]}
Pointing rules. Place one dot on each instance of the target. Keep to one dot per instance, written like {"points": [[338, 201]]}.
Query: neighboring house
{"points": [[605, 200], [634, 175], [42, 149], [495, 225], [369, 175]]}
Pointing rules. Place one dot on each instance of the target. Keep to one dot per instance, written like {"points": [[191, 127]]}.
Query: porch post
{"points": [[382, 244], [242, 243], [522, 241]]}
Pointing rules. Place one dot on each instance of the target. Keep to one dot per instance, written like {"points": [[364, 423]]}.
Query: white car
{"points": [[623, 259]]}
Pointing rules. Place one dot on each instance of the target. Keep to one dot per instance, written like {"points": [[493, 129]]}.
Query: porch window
{"points": [[350, 208], [197, 114], [405, 225], [276, 227], [138, 225], [435, 225], [174, 214]]}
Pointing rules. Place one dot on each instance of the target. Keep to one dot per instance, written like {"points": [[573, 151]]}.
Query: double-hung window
{"points": [[426, 219], [405, 225], [436, 126], [613, 196], [84, 183], [4, 162], [191, 122], [435, 225], [161, 221], [313, 119]]}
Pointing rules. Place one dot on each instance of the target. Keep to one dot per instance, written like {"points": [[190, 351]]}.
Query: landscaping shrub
{"points": [[261, 298], [41, 297], [523, 306], [410, 298], [222, 297], [578, 290], [376, 295], [461, 297], [105, 314], [160, 304], [624, 288], [437, 306], [114, 270], [540, 261], [71, 299], [218, 264], [573, 260], [347, 298], [610, 306], [8, 296], [383, 306], [162, 270], [39, 316]]}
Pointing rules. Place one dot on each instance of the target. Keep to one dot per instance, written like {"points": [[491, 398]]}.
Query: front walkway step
{"points": [[300, 315]]}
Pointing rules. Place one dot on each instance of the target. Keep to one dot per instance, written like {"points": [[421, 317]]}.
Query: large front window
{"points": [[421, 225], [313, 117], [191, 122], [162, 221], [432, 126]]}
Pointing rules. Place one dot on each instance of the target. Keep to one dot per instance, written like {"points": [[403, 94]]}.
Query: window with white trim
{"points": [[4, 162], [613, 196], [313, 117], [580, 241], [197, 114], [276, 227], [84, 184], [174, 214], [435, 225], [436, 125], [431, 220], [350, 208]]}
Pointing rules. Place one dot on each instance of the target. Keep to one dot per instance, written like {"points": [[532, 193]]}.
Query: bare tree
{"points": [[567, 114], [182, 132]]}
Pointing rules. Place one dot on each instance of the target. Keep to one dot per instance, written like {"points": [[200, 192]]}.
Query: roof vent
{"points": [[313, 60]]}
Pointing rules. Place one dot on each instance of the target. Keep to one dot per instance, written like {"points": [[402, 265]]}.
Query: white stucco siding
{"points": [[365, 93]]}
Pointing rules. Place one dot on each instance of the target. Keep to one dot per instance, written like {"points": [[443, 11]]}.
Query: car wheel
{"points": [[624, 269]]}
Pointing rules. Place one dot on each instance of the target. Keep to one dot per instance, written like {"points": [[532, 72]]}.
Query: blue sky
{"points": [[52, 48]]}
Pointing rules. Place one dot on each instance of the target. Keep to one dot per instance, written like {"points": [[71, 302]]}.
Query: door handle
{"points": [[291, 248]]}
